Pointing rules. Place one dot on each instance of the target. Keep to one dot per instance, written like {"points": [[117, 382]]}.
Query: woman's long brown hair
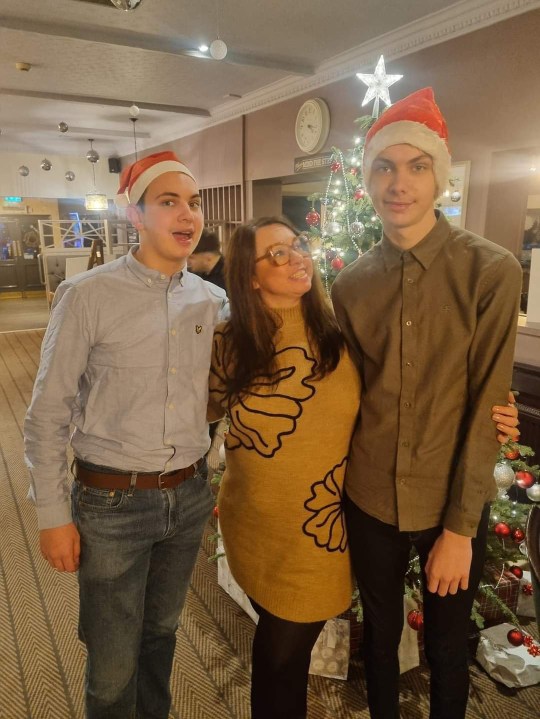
{"points": [[251, 330]]}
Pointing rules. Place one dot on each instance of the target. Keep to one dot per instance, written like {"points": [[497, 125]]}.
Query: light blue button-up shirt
{"points": [[125, 360]]}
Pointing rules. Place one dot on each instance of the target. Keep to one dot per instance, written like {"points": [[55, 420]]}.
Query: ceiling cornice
{"points": [[459, 19]]}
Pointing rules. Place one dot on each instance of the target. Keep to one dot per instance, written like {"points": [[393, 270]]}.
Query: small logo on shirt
{"points": [[198, 329]]}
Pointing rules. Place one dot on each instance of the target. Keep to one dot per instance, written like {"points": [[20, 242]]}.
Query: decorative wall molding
{"points": [[459, 19]]}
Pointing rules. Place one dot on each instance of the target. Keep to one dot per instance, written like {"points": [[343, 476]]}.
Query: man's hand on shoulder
{"points": [[449, 564], [61, 547]]}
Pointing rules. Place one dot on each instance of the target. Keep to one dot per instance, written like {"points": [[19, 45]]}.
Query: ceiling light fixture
{"points": [[95, 201], [126, 5], [218, 49], [134, 116]]}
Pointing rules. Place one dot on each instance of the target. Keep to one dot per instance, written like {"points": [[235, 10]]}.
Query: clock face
{"points": [[312, 125]]}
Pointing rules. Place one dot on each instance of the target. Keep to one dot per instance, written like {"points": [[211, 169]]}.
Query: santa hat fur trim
{"points": [[137, 176]]}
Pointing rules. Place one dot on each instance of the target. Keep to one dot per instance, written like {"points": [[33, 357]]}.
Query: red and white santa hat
{"points": [[416, 120], [136, 177]]}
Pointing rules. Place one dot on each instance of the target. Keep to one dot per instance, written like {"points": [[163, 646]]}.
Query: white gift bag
{"points": [[512, 666], [525, 607]]}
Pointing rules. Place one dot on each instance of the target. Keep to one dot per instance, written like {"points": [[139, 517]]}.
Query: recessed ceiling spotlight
{"points": [[203, 48], [23, 66]]}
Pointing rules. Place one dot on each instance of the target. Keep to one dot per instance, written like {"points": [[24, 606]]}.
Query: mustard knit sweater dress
{"points": [[280, 497]]}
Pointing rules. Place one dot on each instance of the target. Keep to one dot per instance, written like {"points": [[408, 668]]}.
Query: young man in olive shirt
{"points": [[431, 313]]}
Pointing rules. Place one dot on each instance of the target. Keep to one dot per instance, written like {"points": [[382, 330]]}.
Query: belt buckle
{"points": [[161, 484]]}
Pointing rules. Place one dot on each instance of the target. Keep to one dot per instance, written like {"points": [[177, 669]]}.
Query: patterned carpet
{"points": [[42, 661]]}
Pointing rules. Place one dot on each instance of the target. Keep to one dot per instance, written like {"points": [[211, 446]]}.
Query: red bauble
{"points": [[511, 454], [515, 637], [313, 218], [527, 589], [335, 166], [516, 571], [215, 511], [502, 529], [359, 194], [415, 619], [518, 535], [337, 263], [524, 479]]}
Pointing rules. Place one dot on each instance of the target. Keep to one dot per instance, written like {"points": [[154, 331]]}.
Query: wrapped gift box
{"points": [[506, 586]]}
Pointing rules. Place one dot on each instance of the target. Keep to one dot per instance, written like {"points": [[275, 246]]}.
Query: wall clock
{"points": [[312, 125]]}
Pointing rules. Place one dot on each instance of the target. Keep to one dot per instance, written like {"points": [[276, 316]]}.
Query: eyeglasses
{"points": [[279, 254]]}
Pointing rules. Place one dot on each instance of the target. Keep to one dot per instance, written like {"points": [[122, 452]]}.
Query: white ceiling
{"points": [[91, 61]]}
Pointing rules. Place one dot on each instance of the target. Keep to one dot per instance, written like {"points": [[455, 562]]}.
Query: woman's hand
{"points": [[506, 420]]}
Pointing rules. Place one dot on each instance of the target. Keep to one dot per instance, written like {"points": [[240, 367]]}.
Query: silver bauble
{"points": [[46, 164], [23, 171], [533, 493], [357, 228], [504, 476], [92, 156], [134, 111], [63, 126], [70, 176], [455, 196]]}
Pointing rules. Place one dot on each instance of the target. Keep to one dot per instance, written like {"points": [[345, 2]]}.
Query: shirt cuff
{"points": [[459, 522], [54, 516]]}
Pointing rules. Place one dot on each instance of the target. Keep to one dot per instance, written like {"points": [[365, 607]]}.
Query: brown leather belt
{"points": [[105, 480]]}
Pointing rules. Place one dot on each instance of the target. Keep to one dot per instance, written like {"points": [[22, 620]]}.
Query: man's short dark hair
{"points": [[209, 242]]}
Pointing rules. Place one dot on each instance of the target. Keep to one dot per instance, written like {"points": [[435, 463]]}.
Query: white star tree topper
{"points": [[378, 85]]}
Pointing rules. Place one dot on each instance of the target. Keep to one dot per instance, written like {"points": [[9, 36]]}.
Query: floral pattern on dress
{"points": [[326, 525], [276, 399]]}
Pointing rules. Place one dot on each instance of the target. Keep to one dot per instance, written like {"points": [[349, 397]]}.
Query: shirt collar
{"points": [[425, 251], [148, 276]]}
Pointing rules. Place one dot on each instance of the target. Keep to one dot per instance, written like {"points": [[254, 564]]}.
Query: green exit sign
{"points": [[13, 200]]}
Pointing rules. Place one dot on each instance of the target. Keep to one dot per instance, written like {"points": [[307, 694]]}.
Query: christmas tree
{"points": [[343, 223]]}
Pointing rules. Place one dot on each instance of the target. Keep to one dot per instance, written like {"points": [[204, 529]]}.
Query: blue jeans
{"points": [[138, 551], [380, 558]]}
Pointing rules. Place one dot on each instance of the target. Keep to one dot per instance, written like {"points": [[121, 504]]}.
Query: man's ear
{"points": [[134, 215], [255, 284]]}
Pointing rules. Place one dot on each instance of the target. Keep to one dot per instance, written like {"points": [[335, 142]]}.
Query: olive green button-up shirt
{"points": [[433, 329]]}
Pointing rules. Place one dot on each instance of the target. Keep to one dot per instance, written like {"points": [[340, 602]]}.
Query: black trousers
{"points": [[380, 555], [281, 657]]}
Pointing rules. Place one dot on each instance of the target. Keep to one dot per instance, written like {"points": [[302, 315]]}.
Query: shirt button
{"points": [[409, 364], [173, 370], [409, 281], [173, 332], [407, 404], [171, 405], [149, 281], [408, 323], [163, 277], [403, 481], [405, 444]]}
